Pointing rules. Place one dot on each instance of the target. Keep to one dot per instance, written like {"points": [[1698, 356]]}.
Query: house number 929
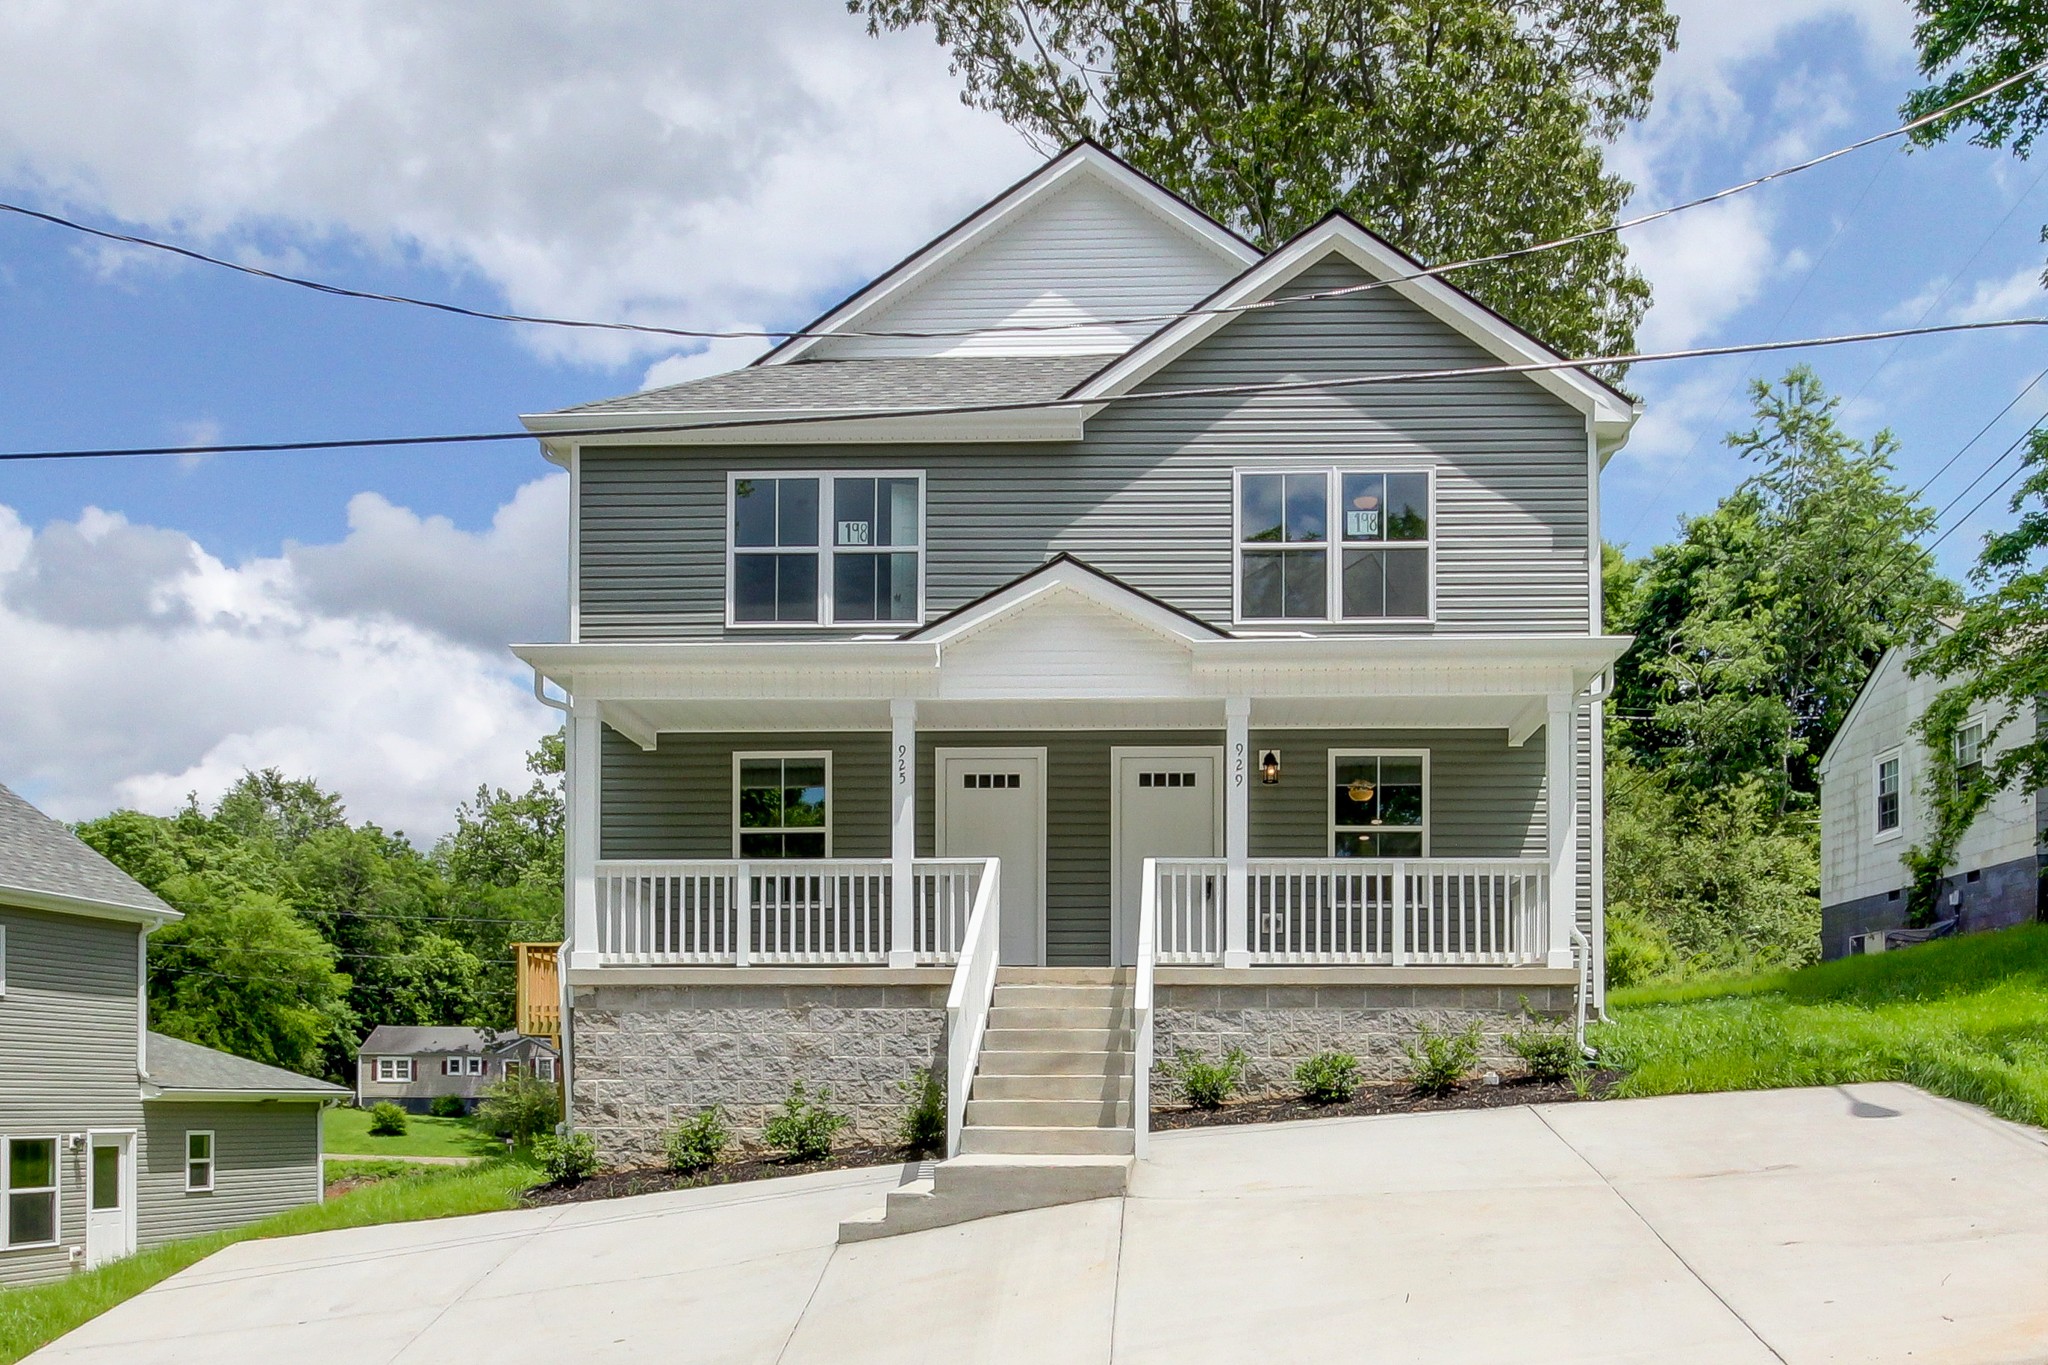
{"points": [[1237, 766]]}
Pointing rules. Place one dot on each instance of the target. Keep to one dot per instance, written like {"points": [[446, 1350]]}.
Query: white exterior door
{"points": [[1166, 805], [109, 1197], [991, 804]]}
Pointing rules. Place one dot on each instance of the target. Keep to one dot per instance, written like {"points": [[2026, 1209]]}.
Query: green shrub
{"points": [[1438, 1061], [566, 1158], [448, 1107], [1206, 1085], [1549, 1054], [924, 1124], [805, 1127], [519, 1109], [386, 1120], [1328, 1078], [695, 1143]]}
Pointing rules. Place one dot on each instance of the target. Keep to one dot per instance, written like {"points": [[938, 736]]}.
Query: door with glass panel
{"points": [[110, 1197]]}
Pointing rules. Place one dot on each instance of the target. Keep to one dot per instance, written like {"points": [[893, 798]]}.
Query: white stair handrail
{"points": [[967, 1003], [1141, 1011]]}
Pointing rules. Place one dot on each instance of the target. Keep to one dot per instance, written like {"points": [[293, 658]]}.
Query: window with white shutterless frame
{"points": [[825, 547], [782, 805], [1379, 803], [198, 1160], [1333, 544], [31, 1185], [1887, 796]]}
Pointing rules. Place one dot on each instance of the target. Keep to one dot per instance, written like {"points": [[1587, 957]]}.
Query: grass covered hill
{"points": [[1963, 1017]]}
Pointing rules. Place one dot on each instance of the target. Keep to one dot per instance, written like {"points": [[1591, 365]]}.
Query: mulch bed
{"points": [[659, 1180], [1387, 1099]]}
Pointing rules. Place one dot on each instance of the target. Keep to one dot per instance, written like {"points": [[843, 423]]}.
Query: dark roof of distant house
{"points": [[398, 1040], [40, 856], [878, 384], [175, 1064]]}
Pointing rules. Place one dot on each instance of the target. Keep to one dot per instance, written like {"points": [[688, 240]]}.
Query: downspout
{"points": [[562, 954], [1582, 960]]}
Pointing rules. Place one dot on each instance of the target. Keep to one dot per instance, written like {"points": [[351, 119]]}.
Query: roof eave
{"points": [[29, 899], [558, 432]]}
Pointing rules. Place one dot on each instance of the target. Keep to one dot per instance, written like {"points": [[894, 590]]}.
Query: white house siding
{"points": [[1863, 880], [1147, 494], [676, 802], [68, 1041], [266, 1160], [1113, 260]]}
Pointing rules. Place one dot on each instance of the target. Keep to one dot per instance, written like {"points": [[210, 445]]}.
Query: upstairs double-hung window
{"points": [[1333, 545], [826, 549]]}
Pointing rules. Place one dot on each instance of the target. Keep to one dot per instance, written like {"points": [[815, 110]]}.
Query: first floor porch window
{"points": [[1379, 804], [781, 805]]}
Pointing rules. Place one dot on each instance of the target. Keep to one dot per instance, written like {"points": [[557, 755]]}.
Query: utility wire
{"points": [[710, 334], [1321, 383]]}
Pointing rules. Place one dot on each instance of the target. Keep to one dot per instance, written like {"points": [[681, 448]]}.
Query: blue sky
{"points": [[739, 166]]}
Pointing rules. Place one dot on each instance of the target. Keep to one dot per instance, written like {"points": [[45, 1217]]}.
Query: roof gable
{"points": [[1341, 238], [1057, 259], [1064, 576], [44, 866]]}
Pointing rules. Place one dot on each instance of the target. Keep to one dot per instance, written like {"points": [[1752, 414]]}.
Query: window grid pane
{"points": [[783, 807], [1378, 806], [1382, 522]]}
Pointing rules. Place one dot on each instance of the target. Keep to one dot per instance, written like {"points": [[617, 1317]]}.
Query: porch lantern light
{"points": [[1269, 767]]}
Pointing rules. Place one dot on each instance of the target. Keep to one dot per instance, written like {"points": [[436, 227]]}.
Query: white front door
{"points": [[991, 804], [1167, 805], [109, 1197]]}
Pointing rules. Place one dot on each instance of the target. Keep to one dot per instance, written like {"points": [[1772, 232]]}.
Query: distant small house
{"points": [[413, 1067], [112, 1137]]}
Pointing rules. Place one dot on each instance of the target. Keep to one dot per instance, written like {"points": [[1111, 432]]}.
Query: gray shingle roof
{"points": [[40, 855], [397, 1040], [880, 384], [175, 1064]]}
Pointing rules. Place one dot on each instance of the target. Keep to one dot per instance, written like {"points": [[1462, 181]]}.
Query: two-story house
{"points": [[1094, 638], [1874, 807], [113, 1137]]}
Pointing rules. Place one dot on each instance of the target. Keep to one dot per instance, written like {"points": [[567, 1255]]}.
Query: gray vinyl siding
{"points": [[266, 1160], [68, 1038], [1486, 801], [1146, 494], [431, 1080]]}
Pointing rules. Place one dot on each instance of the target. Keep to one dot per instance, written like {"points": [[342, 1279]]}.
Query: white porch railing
{"points": [[1386, 912], [967, 1003], [1141, 1012], [807, 912]]}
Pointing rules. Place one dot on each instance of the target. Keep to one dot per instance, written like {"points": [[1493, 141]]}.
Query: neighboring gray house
{"points": [[1873, 807], [113, 1137], [414, 1066], [1081, 595]]}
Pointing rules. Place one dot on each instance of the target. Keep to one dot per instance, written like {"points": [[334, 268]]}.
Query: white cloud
{"points": [[2016, 295], [1705, 266], [141, 667], [706, 164]]}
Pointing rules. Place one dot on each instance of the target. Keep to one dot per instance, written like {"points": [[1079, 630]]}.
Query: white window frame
{"points": [[210, 1160], [1332, 546], [3, 962], [1878, 833], [387, 1065], [1973, 723], [510, 1067], [454, 1066], [1330, 797], [55, 1189], [544, 1068], [825, 548], [753, 755]]}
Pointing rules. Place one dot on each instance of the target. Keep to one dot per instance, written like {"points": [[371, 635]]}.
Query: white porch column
{"points": [[902, 832], [1561, 807], [1237, 831], [586, 765]]}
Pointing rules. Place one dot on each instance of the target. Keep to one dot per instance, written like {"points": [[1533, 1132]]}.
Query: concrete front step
{"points": [[1057, 1040], [1062, 1017], [1096, 1087], [1101, 1062], [970, 1187], [1014, 1141], [1097, 1113], [1061, 997], [1065, 976]]}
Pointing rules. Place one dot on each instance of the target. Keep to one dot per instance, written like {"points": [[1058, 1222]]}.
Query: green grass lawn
{"points": [[32, 1317], [1963, 1017], [346, 1132]]}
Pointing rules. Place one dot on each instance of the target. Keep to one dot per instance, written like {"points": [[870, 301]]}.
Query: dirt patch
{"points": [[1388, 1099], [658, 1180]]}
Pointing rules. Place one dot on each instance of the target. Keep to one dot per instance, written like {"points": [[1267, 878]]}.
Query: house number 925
{"points": [[902, 764]]}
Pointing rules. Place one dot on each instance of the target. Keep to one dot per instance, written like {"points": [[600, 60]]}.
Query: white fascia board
{"points": [[160, 1094], [997, 214], [58, 903], [1884, 661], [1339, 236], [609, 672], [759, 426]]}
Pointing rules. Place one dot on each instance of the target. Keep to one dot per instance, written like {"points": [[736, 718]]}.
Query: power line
{"points": [[709, 334], [1336, 382]]}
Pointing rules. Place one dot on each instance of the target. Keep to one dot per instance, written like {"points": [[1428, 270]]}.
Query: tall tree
{"points": [[1756, 629], [1455, 128]]}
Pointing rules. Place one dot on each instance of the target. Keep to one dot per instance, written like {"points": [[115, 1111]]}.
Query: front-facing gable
{"points": [[1085, 256]]}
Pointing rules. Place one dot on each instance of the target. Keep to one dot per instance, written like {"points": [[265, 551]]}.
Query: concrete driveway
{"points": [[1866, 1223]]}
